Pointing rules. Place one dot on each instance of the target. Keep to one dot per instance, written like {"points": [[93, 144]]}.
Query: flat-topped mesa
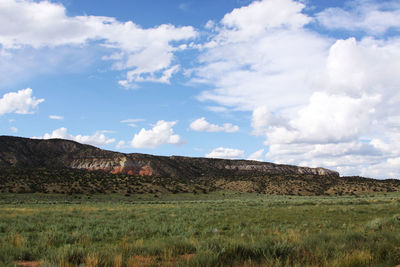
{"points": [[59, 153]]}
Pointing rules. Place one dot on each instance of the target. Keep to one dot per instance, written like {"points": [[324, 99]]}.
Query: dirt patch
{"points": [[141, 261], [187, 256], [29, 263]]}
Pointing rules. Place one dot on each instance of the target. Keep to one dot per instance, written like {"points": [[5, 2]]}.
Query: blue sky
{"points": [[312, 83]]}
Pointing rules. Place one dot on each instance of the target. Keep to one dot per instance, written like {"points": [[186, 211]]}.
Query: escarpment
{"points": [[67, 167], [114, 165], [59, 153]]}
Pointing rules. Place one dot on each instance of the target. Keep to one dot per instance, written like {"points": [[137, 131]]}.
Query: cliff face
{"points": [[114, 165], [59, 153]]}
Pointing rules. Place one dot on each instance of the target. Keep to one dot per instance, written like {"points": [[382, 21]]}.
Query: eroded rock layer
{"points": [[59, 153]]}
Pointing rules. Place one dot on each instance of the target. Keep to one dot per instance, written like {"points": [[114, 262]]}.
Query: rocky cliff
{"points": [[59, 153], [67, 167]]}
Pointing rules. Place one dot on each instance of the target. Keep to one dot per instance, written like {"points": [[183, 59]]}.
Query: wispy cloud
{"points": [[132, 122], [13, 129], [145, 54], [226, 153], [201, 125], [56, 117]]}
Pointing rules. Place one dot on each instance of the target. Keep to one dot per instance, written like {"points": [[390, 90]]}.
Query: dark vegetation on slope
{"points": [[73, 181], [63, 166]]}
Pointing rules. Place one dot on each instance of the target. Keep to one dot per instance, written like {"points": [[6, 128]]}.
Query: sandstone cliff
{"points": [[59, 153]]}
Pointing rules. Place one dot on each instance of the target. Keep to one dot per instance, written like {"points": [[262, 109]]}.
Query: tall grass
{"points": [[187, 230]]}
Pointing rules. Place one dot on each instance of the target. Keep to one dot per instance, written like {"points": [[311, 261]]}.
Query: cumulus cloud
{"points": [[371, 17], [357, 111], [260, 16], [262, 119], [146, 54], [309, 93], [56, 117], [369, 66], [261, 55], [258, 155], [161, 133], [21, 102], [201, 125], [327, 119], [226, 153], [97, 139]]}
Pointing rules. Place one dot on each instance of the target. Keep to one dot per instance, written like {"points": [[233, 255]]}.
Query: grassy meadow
{"points": [[216, 229]]}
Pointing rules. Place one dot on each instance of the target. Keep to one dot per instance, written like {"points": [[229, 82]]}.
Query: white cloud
{"points": [[97, 139], [201, 125], [262, 120], [209, 24], [369, 66], [327, 119], [356, 118], [22, 64], [349, 158], [21, 102], [120, 144], [309, 94], [258, 155], [226, 153], [262, 56], [138, 75], [161, 133], [132, 122], [388, 168], [372, 17], [255, 19], [13, 129], [217, 108], [56, 117], [106, 131], [147, 54]]}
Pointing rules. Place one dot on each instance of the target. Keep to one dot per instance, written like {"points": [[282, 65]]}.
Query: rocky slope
{"points": [[58, 153], [62, 166]]}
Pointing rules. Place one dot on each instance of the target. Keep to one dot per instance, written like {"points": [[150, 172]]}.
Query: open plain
{"points": [[186, 229]]}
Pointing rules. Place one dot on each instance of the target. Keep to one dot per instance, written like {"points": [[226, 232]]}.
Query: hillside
{"points": [[63, 166]]}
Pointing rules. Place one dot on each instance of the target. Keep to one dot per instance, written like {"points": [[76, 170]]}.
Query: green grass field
{"points": [[216, 229]]}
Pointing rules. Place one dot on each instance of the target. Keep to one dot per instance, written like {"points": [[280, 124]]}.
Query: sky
{"points": [[309, 83]]}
